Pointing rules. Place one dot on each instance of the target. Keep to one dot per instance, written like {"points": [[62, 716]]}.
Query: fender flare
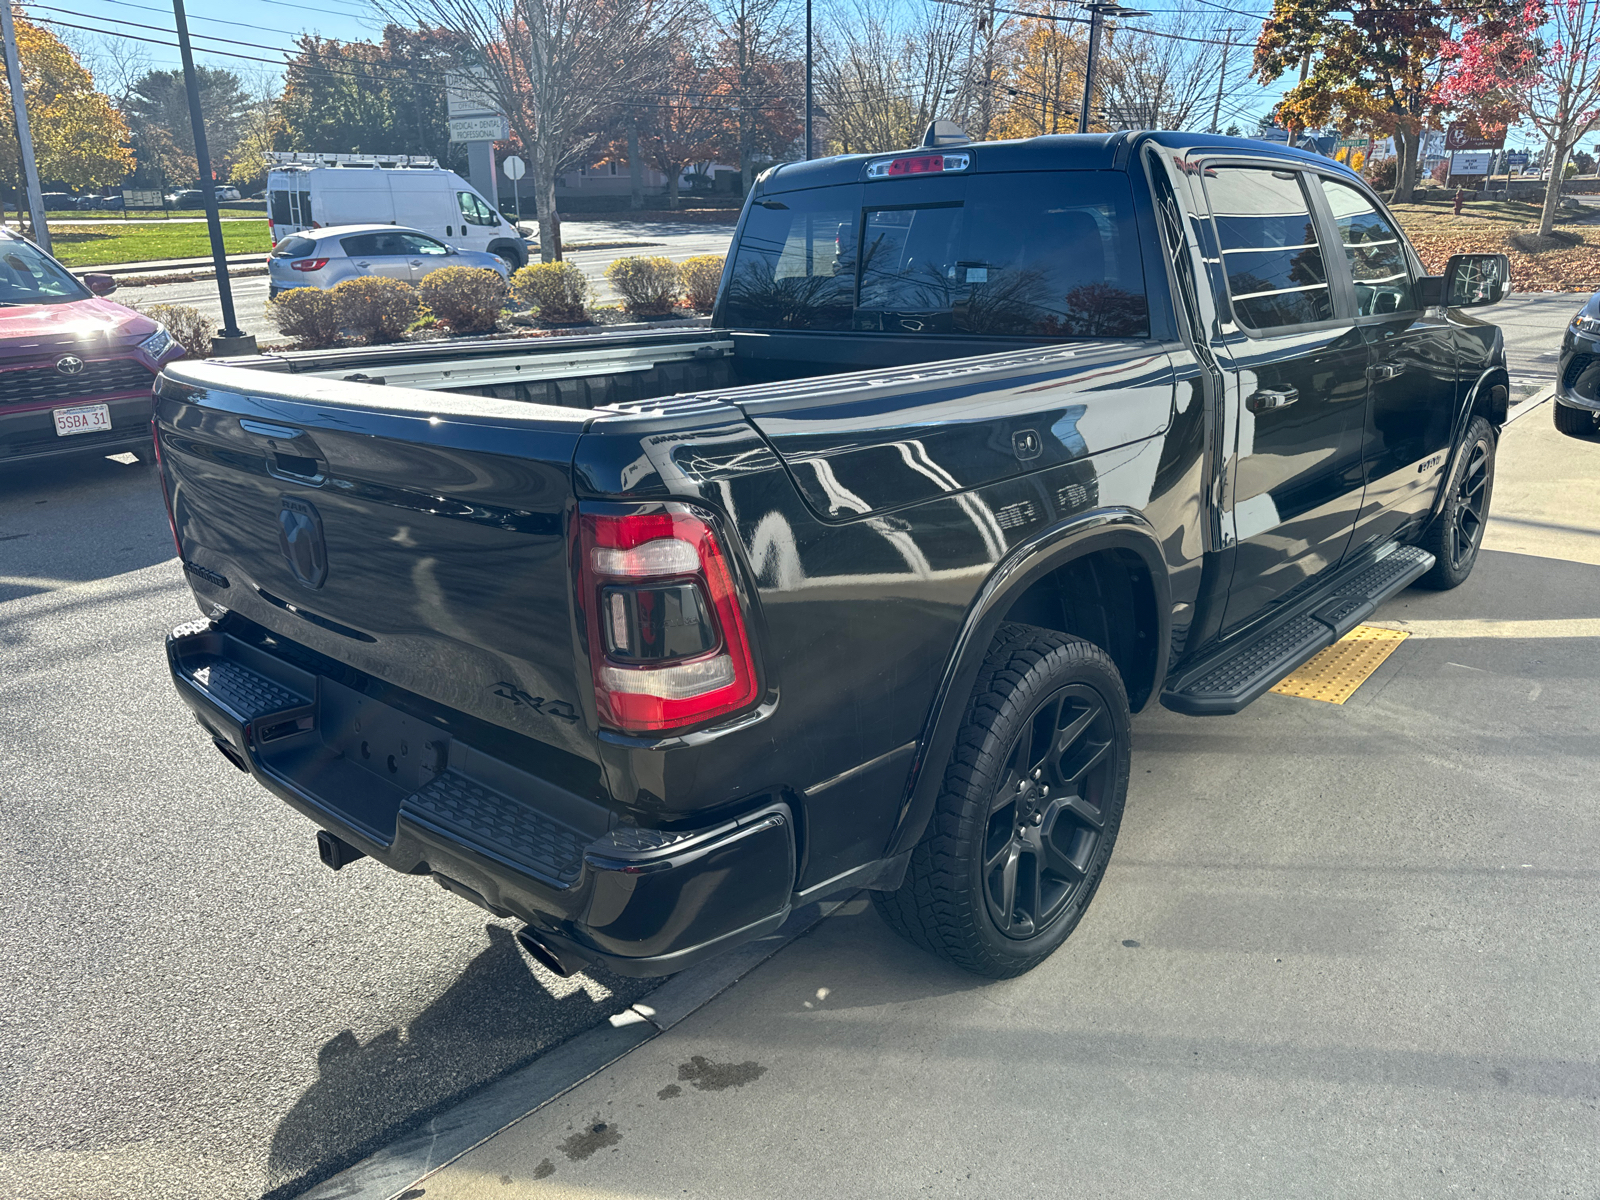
{"points": [[517, 248], [1107, 529], [1494, 373]]}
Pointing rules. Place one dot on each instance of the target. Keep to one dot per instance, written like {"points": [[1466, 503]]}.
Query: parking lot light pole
{"points": [[1097, 12], [231, 340]]}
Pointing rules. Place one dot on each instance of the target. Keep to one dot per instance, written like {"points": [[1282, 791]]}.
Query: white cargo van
{"points": [[314, 191]]}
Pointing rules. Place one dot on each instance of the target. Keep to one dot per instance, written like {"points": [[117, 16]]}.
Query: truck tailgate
{"points": [[415, 536]]}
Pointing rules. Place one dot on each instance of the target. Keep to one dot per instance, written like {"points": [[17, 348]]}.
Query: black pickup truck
{"points": [[646, 638]]}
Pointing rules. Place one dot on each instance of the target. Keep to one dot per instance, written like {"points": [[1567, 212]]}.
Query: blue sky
{"points": [[266, 27]]}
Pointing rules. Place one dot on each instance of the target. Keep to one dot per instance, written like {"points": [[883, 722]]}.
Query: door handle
{"points": [[363, 264], [1384, 371], [1270, 398]]}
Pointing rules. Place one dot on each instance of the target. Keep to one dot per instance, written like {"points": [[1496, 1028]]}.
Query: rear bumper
{"points": [[403, 790], [28, 433]]}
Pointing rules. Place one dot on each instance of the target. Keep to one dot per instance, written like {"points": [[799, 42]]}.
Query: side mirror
{"points": [[1475, 280], [99, 284]]}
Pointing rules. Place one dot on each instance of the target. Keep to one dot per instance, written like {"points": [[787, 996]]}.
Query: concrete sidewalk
{"points": [[160, 266], [1340, 952]]}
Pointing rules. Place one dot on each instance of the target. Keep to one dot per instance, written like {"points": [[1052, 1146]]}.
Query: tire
{"points": [[1574, 422], [1034, 791], [1456, 533], [509, 257]]}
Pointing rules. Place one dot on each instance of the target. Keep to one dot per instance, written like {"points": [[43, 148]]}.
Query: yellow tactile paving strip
{"points": [[1336, 673]]}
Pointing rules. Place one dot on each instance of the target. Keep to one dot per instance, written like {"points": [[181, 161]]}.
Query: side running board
{"points": [[1231, 677]]}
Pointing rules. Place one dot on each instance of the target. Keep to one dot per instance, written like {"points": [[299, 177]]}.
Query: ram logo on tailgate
{"points": [[300, 539]]}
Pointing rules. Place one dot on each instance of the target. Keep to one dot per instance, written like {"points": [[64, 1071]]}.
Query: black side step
{"points": [[1230, 678]]}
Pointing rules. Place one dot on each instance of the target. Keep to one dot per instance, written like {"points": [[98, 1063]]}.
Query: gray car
{"points": [[321, 258]]}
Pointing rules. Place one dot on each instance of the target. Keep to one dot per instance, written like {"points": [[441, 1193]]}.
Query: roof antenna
{"points": [[945, 133]]}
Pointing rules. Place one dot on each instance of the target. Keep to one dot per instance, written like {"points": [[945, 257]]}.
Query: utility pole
{"points": [[19, 105], [1098, 11], [1222, 77], [808, 80], [232, 339]]}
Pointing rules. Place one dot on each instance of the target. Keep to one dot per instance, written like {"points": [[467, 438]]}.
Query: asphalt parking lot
{"points": [[1341, 951], [195, 1006]]}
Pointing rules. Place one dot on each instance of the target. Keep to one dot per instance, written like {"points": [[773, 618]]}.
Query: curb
{"points": [[1521, 410], [403, 1164], [157, 265]]}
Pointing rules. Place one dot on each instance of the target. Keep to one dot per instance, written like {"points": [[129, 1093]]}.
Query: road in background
{"points": [[674, 240], [195, 1006]]}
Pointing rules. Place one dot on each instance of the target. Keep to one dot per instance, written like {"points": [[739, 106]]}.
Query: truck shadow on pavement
{"points": [[493, 1018]]}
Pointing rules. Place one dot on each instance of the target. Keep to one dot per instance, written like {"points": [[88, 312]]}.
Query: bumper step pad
{"points": [[1227, 681], [243, 691], [498, 825]]}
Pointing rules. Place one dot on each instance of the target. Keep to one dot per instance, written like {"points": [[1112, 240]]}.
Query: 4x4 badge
{"points": [[300, 539]]}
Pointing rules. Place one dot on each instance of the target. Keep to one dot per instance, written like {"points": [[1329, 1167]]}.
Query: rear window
{"points": [[1038, 254], [293, 247]]}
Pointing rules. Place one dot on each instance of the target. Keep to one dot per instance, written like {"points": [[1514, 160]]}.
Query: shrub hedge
{"points": [[555, 291], [305, 314], [466, 299]]}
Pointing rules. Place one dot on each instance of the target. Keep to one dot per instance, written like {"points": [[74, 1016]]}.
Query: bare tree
{"points": [[883, 76], [555, 68], [116, 63], [1171, 70]]}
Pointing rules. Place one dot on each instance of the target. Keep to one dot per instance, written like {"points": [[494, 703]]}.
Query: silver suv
{"points": [[320, 258]]}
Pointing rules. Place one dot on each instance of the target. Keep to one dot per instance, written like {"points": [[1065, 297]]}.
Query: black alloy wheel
{"points": [[1028, 809], [1456, 533], [1471, 503], [1046, 819]]}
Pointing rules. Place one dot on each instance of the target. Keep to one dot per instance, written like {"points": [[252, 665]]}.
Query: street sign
{"points": [[479, 129], [1470, 162], [1460, 138], [138, 198], [514, 168], [1516, 158]]}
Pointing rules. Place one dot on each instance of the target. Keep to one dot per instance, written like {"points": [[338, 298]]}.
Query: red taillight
{"points": [[668, 641], [308, 264], [917, 166], [271, 237]]}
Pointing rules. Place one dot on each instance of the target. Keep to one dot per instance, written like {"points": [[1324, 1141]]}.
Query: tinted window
{"points": [[1373, 248], [280, 208], [1276, 273], [296, 247], [795, 264], [360, 245], [1043, 254]]}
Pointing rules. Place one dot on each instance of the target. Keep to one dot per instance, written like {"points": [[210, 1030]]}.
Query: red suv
{"points": [[75, 369]]}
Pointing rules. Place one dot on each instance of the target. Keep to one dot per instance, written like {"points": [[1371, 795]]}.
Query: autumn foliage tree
{"points": [[78, 137], [1045, 85], [1378, 71], [683, 122], [1537, 61]]}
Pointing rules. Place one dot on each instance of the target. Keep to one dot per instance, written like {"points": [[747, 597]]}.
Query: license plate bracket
{"points": [[82, 418]]}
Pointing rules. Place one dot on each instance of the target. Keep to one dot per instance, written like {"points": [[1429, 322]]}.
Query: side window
{"points": [[1373, 248], [415, 243], [795, 263], [1276, 273], [361, 245], [474, 210]]}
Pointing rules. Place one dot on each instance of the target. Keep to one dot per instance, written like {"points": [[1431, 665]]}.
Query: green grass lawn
{"points": [[92, 245]]}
